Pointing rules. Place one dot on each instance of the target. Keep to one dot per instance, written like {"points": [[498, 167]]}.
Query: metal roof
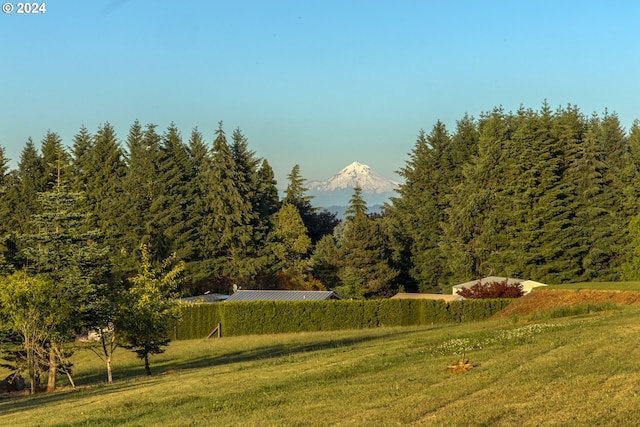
{"points": [[444, 297], [272, 295], [206, 298]]}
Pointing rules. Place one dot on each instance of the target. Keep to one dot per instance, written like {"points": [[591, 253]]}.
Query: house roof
{"points": [[278, 295], [446, 298], [208, 298]]}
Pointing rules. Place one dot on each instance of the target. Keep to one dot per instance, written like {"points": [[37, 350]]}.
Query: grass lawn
{"points": [[576, 370], [605, 286]]}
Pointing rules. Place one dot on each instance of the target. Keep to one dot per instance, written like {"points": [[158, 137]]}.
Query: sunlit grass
{"points": [[577, 370], [605, 286]]}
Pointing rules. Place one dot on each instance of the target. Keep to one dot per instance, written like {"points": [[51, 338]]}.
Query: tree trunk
{"points": [[32, 368], [65, 367], [53, 369], [146, 364], [109, 376]]}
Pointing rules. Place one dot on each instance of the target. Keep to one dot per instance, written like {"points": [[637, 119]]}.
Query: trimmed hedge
{"points": [[272, 317]]}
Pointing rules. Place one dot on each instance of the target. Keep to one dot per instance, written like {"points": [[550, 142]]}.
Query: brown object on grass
{"points": [[462, 365]]}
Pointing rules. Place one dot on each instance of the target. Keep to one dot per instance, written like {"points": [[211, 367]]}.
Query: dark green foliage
{"points": [[270, 317], [417, 214], [547, 195], [21, 193], [169, 210], [357, 205], [364, 253], [228, 225], [325, 262], [99, 171], [267, 199], [318, 224]]}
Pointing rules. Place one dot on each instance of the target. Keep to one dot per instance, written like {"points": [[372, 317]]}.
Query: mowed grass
{"points": [[605, 286], [577, 370]]}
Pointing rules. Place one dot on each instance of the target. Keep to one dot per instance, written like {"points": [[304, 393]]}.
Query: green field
{"points": [[605, 286], [576, 370]]}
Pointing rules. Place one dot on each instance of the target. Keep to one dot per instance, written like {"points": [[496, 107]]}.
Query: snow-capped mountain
{"points": [[354, 175], [337, 190]]}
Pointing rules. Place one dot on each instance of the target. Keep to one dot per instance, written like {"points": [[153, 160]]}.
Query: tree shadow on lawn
{"points": [[19, 403], [259, 353], [279, 350], [94, 382]]}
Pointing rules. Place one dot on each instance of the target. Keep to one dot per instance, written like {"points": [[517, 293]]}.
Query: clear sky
{"points": [[319, 83]]}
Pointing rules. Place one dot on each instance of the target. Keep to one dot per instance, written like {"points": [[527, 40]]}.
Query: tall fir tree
{"points": [[63, 246], [227, 226], [81, 152], [417, 214], [319, 223], [104, 175], [53, 153], [141, 187], [195, 269], [169, 209], [472, 230], [365, 269], [290, 244]]}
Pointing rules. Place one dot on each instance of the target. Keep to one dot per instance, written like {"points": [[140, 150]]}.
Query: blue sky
{"points": [[317, 83]]}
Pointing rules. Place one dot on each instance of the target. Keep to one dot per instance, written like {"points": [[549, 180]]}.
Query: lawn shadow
{"points": [[94, 382], [280, 350]]}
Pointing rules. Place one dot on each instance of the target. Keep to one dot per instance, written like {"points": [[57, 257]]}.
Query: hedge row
{"points": [[271, 317]]}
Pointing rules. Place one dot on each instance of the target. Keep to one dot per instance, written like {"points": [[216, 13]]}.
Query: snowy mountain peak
{"points": [[356, 175]]}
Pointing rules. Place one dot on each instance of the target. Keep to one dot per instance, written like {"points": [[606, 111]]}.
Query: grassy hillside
{"points": [[573, 370], [606, 286]]}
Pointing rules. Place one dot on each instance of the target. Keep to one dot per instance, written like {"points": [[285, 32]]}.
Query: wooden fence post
{"points": [[217, 330]]}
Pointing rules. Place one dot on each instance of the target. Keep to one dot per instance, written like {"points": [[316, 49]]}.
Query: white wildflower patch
{"points": [[521, 335], [456, 346]]}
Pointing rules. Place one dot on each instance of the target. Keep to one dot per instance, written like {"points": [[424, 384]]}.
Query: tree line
{"points": [[541, 194], [100, 238], [94, 230], [545, 195]]}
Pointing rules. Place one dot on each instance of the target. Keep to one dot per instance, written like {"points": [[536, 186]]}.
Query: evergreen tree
{"points": [[228, 220], [142, 186], [295, 194], [5, 207], [81, 152], [594, 202], [104, 173], [267, 198], [64, 248], [364, 252], [7, 182], [559, 239], [357, 205], [169, 210], [471, 231], [417, 214], [22, 195], [195, 270], [324, 263], [290, 244], [318, 223], [53, 154]]}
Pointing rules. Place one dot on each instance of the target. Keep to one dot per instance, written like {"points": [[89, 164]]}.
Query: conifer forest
{"points": [[548, 195]]}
